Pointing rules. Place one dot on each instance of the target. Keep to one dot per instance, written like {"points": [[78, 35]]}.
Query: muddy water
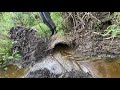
{"points": [[99, 68], [103, 68], [12, 71]]}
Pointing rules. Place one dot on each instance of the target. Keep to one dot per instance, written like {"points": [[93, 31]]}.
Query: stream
{"points": [[64, 59]]}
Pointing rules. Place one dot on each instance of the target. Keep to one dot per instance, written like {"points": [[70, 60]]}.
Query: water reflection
{"points": [[104, 68], [12, 71], [100, 68]]}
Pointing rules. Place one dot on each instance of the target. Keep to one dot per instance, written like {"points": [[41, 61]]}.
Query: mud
{"points": [[95, 45], [31, 47], [36, 55], [87, 29]]}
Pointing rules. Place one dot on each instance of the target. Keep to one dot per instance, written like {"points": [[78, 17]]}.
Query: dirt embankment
{"points": [[31, 47], [35, 54], [84, 32], [87, 29]]}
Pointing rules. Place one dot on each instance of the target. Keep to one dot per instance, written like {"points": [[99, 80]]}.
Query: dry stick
{"points": [[94, 17], [76, 21], [73, 20], [111, 42], [83, 16], [80, 20], [66, 18]]}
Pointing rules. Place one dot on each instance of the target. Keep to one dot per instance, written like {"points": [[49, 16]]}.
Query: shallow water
{"points": [[99, 68], [104, 68], [12, 71]]}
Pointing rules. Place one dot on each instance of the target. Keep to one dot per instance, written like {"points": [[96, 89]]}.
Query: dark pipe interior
{"points": [[60, 46]]}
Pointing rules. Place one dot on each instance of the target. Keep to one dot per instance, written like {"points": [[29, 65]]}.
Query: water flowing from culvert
{"points": [[100, 68], [69, 60]]}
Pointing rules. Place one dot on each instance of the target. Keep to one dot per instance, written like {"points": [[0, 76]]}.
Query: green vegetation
{"points": [[26, 19], [43, 30], [5, 51], [114, 30]]}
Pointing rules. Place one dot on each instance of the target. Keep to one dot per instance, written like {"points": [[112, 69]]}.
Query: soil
{"points": [[88, 37], [31, 47], [95, 45]]}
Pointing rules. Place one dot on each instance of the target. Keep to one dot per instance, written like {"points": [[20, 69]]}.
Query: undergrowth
{"points": [[26, 19], [113, 31]]}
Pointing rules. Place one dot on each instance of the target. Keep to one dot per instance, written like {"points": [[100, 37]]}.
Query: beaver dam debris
{"points": [[81, 53]]}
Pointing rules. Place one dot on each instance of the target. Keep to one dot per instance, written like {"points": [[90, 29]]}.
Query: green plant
{"points": [[26, 19], [43, 30], [112, 31], [6, 53], [116, 18], [58, 19]]}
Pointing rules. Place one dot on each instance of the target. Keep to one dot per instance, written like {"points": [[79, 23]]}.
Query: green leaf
{"points": [[10, 57]]}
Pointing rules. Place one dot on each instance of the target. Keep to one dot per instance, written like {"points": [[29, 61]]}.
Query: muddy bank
{"points": [[31, 47], [91, 44], [43, 57], [87, 29], [58, 65]]}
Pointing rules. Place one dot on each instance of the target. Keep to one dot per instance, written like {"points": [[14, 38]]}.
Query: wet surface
{"points": [[62, 60], [12, 71], [98, 67], [104, 68]]}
